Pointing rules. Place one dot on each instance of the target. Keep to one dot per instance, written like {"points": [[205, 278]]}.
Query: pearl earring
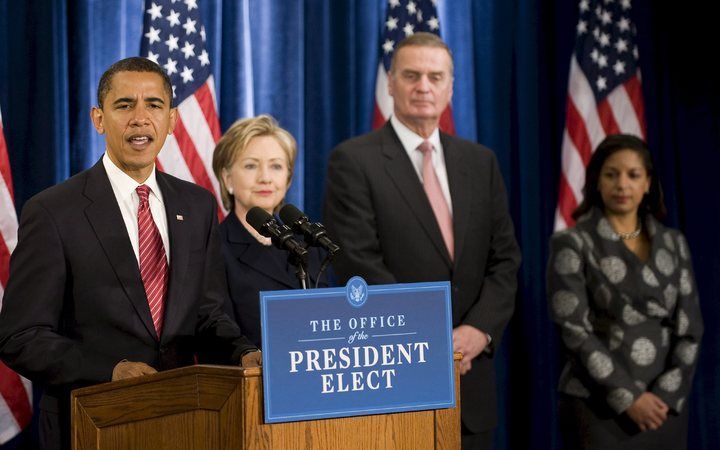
{"points": [[230, 191]]}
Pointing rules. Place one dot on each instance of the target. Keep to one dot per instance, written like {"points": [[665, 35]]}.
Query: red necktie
{"points": [[153, 263], [439, 205]]}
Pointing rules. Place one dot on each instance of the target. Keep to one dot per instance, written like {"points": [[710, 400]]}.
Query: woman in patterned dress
{"points": [[622, 291]]}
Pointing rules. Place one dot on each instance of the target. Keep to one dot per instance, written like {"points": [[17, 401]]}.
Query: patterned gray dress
{"points": [[629, 326]]}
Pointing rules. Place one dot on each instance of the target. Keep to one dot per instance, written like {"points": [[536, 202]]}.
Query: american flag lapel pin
{"points": [[179, 217]]}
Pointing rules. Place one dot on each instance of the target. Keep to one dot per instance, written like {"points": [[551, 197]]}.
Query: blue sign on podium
{"points": [[356, 350]]}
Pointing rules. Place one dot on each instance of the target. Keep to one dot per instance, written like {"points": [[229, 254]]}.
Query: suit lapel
{"points": [[402, 173], [245, 248], [107, 222], [179, 237], [460, 188]]}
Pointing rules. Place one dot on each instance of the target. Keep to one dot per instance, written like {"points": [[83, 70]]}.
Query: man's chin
{"points": [[424, 117], [424, 111], [141, 161]]}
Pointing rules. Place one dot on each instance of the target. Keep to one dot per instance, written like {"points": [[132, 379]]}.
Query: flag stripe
{"points": [[446, 121], [8, 425], [200, 133], [171, 160], [383, 101], [634, 92], [206, 101], [560, 222], [582, 96], [8, 218], [191, 157], [4, 264], [624, 112], [607, 118], [195, 163], [577, 133], [17, 401], [14, 394], [378, 119], [5, 162], [573, 168], [567, 202]]}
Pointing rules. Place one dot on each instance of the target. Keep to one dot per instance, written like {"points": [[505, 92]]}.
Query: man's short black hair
{"points": [[132, 64]]}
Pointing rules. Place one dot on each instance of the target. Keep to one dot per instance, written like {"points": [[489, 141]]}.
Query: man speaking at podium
{"points": [[117, 271], [409, 203]]}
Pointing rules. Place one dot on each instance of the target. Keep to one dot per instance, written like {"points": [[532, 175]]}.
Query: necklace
{"points": [[631, 234]]}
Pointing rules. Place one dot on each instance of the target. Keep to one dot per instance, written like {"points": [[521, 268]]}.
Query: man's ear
{"points": [[96, 115], [390, 84], [173, 120]]}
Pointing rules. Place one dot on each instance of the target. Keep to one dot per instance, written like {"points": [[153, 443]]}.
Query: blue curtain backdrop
{"points": [[312, 65]]}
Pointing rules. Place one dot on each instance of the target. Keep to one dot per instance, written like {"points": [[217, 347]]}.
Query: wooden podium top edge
{"points": [[200, 369]]}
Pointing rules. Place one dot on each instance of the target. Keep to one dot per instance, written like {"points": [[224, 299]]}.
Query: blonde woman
{"points": [[254, 164]]}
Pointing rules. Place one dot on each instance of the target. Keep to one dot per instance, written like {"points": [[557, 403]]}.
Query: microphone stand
{"points": [[300, 273]]}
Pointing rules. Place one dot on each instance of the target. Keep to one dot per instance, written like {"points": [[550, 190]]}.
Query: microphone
{"points": [[281, 235], [314, 233]]}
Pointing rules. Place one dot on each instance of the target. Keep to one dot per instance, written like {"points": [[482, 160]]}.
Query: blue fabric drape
{"points": [[312, 65]]}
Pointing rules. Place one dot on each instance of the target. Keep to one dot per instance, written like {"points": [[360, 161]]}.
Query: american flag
{"points": [[604, 94], [174, 38], [15, 391], [403, 19]]}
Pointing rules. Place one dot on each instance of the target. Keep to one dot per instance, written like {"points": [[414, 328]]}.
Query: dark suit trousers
{"points": [[586, 425], [476, 441], [53, 435]]}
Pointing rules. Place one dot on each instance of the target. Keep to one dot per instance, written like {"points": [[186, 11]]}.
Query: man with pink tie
{"points": [[409, 203]]}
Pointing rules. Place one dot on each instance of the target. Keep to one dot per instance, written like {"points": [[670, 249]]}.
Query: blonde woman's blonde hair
{"points": [[235, 141]]}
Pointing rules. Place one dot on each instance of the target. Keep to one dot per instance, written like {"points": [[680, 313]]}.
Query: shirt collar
{"points": [[125, 185], [411, 140]]}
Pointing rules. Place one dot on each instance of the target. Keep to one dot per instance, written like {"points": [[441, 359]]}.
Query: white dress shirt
{"points": [[411, 141], [123, 187]]}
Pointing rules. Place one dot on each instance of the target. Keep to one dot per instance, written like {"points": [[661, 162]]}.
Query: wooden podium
{"points": [[221, 407]]}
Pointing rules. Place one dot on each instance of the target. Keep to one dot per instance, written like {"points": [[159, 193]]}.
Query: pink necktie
{"points": [[153, 263], [435, 196]]}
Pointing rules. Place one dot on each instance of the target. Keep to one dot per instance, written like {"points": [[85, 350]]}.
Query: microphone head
{"points": [[290, 214], [258, 218]]}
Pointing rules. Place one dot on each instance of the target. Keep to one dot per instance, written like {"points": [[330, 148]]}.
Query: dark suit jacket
{"points": [[377, 209], [75, 304], [252, 267]]}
